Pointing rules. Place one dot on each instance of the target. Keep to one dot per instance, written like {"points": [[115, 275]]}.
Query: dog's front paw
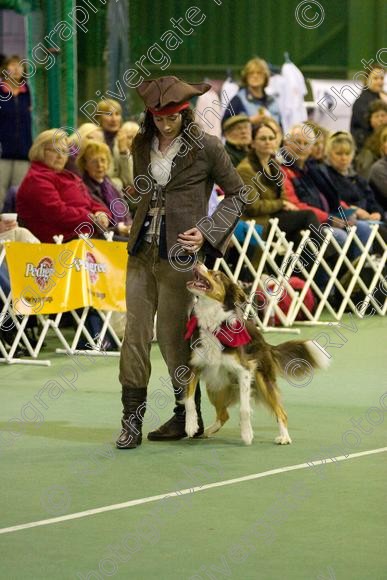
{"points": [[247, 435], [283, 439], [191, 425]]}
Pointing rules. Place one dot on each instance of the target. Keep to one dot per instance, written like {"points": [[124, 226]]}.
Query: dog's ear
{"points": [[234, 296]]}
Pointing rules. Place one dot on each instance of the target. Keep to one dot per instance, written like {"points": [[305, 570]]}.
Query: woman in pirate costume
{"points": [[175, 167]]}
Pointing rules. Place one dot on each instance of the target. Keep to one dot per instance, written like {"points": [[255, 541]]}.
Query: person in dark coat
{"points": [[15, 125], [237, 132], [360, 127], [378, 173], [351, 188], [370, 152], [313, 186], [175, 167]]}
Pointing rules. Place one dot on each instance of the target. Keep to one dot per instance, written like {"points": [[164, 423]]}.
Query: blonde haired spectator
{"points": [[351, 187], [129, 130], [277, 128], [85, 132], [109, 114], [52, 200], [318, 150], [251, 98], [93, 162]]}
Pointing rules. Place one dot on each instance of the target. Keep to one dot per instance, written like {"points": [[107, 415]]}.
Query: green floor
{"points": [[316, 523]]}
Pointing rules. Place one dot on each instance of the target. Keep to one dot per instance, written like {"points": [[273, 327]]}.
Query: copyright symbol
{"points": [[56, 499], [299, 373], [60, 140], [180, 261], [310, 14]]}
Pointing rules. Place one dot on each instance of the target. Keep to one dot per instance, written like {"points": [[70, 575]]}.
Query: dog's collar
{"points": [[232, 335]]}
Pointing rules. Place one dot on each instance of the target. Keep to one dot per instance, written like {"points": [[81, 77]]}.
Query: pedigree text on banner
{"points": [[52, 278]]}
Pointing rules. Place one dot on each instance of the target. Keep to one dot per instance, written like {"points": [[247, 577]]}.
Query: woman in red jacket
{"points": [[52, 200]]}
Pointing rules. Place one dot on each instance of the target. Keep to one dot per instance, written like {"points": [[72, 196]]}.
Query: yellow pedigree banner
{"points": [[51, 278]]}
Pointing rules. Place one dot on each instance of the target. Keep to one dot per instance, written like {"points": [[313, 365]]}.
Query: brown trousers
{"points": [[155, 285]]}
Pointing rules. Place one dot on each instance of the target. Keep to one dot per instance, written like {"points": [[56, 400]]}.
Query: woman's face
{"points": [[378, 119], [55, 157], [318, 149], [169, 126], [265, 142], [97, 165], [298, 144], [376, 80], [130, 135], [111, 121], [256, 78], [340, 157]]}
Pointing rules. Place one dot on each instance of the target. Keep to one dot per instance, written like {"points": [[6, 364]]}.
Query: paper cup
{"points": [[8, 217]]}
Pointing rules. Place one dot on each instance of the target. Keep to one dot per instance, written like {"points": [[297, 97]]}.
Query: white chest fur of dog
{"points": [[218, 368]]}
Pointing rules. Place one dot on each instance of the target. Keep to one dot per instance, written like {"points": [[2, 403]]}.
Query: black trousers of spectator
{"points": [[293, 222]]}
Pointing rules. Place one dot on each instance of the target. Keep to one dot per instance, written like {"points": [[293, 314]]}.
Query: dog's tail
{"points": [[295, 356]]}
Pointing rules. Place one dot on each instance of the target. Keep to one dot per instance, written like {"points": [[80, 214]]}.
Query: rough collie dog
{"points": [[230, 354]]}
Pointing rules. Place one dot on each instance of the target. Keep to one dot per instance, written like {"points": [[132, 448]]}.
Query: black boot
{"points": [[174, 429], [134, 403]]}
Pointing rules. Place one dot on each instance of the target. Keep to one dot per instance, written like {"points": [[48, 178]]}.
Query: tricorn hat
{"points": [[167, 95]]}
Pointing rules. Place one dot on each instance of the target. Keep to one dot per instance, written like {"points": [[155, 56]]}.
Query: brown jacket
{"points": [[263, 200], [187, 194]]}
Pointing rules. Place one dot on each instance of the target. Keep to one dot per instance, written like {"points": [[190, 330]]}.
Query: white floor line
{"points": [[134, 502]]}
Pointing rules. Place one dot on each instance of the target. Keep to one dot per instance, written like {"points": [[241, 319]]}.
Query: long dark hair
{"points": [[189, 129], [255, 162]]}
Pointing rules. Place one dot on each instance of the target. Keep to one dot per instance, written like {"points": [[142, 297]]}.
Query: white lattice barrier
{"points": [[278, 263], [279, 257], [366, 260]]}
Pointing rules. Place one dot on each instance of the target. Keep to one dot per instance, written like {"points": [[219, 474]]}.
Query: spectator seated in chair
{"points": [[52, 200], [237, 132], [266, 197], [378, 173], [120, 171], [84, 133], [309, 185], [93, 162], [351, 188], [373, 91], [317, 152], [370, 152]]}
